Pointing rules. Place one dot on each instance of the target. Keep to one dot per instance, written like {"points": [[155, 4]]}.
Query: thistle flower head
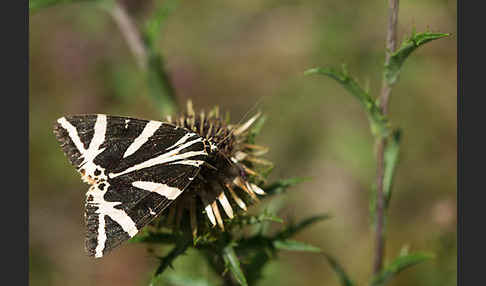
{"points": [[228, 181]]}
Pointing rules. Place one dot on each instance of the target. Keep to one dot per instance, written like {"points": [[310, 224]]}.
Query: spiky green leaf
{"points": [[245, 219], [399, 264], [233, 264], [391, 156], [293, 245], [293, 229], [280, 186], [392, 69], [378, 122], [343, 277], [152, 237], [166, 261]]}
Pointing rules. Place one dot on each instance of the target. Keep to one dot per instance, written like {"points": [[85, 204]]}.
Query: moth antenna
{"points": [[258, 102]]}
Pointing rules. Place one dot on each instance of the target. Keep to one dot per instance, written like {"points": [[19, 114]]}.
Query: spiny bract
{"points": [[229, 175]]}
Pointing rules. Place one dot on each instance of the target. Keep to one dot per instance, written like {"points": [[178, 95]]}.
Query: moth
{"points": [[137, 168]]}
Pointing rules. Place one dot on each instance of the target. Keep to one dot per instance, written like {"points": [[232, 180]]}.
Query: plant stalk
{"points": [[146, 57], [131, 34], [382, 141]]}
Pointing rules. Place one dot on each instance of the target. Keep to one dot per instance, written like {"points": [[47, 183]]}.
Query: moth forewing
{"points": [[135, 167]]}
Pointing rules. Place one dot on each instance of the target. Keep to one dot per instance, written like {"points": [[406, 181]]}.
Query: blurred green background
{"points": [[235, 54]]}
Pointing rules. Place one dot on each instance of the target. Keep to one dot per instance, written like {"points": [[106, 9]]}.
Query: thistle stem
{"points": [[131, 34], [381, 142]]}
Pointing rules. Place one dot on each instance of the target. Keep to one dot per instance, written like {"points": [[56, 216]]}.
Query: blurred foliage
{"points": [[344, 279], [234, 54], [378, 121], [389, 140], [35, 5], [160, 87], [229, 251]]}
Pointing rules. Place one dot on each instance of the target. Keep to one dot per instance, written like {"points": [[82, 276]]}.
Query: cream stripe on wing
{"points": [[101, 239], [147, 132], [162, 189], [108, 208], [195, 163], [94, 149], [164, 158], [98, 138], [73, 134], [182, 140]]}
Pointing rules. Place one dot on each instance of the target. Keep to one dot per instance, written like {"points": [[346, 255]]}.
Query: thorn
{"points": [[190, 110], [239, 156], [201, 122], [215, 208], [251, 172], [208, 134], [237, 199], [258, 161], [240, 183], [257, 189], [208, 209], [226, 205], [259, 150], [246, 125]]}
